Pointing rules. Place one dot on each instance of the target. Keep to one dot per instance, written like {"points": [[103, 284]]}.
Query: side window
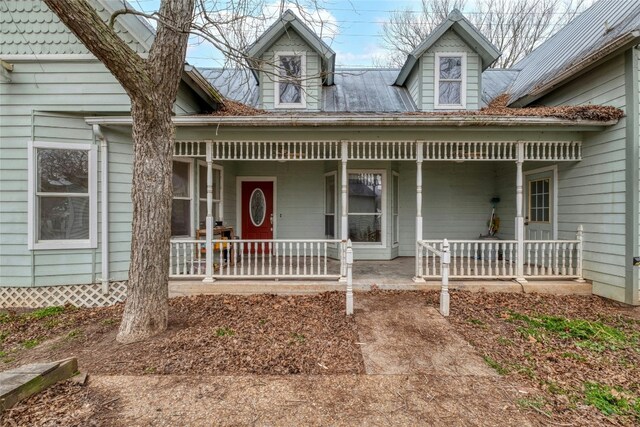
{"points": [[330, 194], [181, 205], [450, 81], [63, 196], [290, 81]]}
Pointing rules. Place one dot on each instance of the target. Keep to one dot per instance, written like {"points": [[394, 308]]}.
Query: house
{"points": [[394, 161]]}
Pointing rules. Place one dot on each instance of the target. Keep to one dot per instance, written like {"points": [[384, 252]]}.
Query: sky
{"points": [[357, 40]]}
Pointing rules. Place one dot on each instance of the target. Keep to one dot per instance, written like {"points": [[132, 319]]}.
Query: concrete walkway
{"points": [[418, 372]]}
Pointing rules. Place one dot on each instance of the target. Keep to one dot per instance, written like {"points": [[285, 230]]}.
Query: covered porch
{"points": [[391, 199]]}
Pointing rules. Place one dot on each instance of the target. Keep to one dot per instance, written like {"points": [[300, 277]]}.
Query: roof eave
{"points": [[372, 121], [586, 64]]}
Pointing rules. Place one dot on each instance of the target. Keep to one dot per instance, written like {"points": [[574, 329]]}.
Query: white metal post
{"points": [[349, 261], [519, 216], [419, 236], [579, 249], [444, 292], [209, 222]]}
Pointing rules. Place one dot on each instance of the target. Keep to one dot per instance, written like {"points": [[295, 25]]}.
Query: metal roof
{"points": [[356, 90], [496, 81], [602, 25]]}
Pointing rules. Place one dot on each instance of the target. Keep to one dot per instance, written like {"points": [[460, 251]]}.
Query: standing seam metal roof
{"points": [[356, 90], [595, 28]]}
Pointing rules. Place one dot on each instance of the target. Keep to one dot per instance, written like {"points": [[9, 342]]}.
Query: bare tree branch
{"points": [[516, 27]]}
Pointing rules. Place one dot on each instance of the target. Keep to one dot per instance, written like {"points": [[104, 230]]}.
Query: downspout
{"points": [[104, 202]]}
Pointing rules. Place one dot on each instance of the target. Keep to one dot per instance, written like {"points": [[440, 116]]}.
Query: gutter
{"points": [[104, 201], [361, 120], [579, 68]]}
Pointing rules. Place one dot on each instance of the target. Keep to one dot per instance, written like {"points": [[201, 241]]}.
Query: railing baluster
{"points": [[263, 253]]}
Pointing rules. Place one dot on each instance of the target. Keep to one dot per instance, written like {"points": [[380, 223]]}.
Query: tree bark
{"points": [[152, 86]]}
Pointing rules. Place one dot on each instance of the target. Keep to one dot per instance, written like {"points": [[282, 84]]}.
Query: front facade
{"points": [[392, 161]]}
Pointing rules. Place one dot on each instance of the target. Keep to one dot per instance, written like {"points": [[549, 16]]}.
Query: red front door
{"points": [[257, 210]]}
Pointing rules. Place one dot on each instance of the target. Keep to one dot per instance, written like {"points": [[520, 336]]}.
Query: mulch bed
{"points": [[64, 404], [563, 358], [219, 334]]}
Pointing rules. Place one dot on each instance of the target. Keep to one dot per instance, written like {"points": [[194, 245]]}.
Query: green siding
{"points": [[592, 191], [291, 42], [28, 27], [450, 42]]}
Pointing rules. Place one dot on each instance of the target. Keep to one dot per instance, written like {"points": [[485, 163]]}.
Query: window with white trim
{"points": [[366, 207], [450, 81], [181, 214], [330, 205], [289, 84], [63, 195], [202, 194], [395, 207], [539, 201]]}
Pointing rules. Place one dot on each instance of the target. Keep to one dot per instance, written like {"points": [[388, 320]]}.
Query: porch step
{"points": [[291, 287]]}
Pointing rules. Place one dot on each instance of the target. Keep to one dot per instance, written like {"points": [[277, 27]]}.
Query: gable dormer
{"points": [[291, 64], [444, 72]]}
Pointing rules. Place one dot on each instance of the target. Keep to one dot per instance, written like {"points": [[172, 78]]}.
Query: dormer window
{"points": [[450, 81], [289, 84]]}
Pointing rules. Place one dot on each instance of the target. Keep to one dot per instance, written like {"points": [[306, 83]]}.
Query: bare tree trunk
{"points": [[146, 309], [152, 85]]}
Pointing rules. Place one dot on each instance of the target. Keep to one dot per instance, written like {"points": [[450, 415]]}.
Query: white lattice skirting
{"points": [[77, 295]]}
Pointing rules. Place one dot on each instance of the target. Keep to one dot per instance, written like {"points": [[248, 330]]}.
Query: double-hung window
{"points": [[395, 207], [62, 200], [330, 205], [366, 207], [289, 85], [450, 81], [181, 211]]}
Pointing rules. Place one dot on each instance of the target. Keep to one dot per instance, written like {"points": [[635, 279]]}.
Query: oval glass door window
{"points": [[257, 207]]}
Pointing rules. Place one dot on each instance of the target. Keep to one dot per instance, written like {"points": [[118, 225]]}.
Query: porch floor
{"points": [[391, 274]]}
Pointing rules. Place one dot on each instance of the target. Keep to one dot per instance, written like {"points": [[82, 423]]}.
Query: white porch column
{"points": [[519, 215], [419, 236], [344, 202], [344, 230], [209, 222]]}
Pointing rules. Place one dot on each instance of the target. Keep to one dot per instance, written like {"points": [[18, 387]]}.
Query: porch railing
{"points": [[260, 259], [441, 256], [497, 259], [469, 259]]}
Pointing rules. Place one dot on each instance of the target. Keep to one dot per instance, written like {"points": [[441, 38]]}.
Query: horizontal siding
{"points": [[592, 191], [291, 42], [450, 42]]}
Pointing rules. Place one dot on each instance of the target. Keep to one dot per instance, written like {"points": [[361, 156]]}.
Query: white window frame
{"points": [[191, 198], [32, 211], [395, 216], [383, 208], [217, 216], [303, 80], [335, 203], [463, 85]]}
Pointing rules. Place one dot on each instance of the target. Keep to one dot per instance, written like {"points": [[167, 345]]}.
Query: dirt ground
{"points": [[499, 359], [261, 334]]}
